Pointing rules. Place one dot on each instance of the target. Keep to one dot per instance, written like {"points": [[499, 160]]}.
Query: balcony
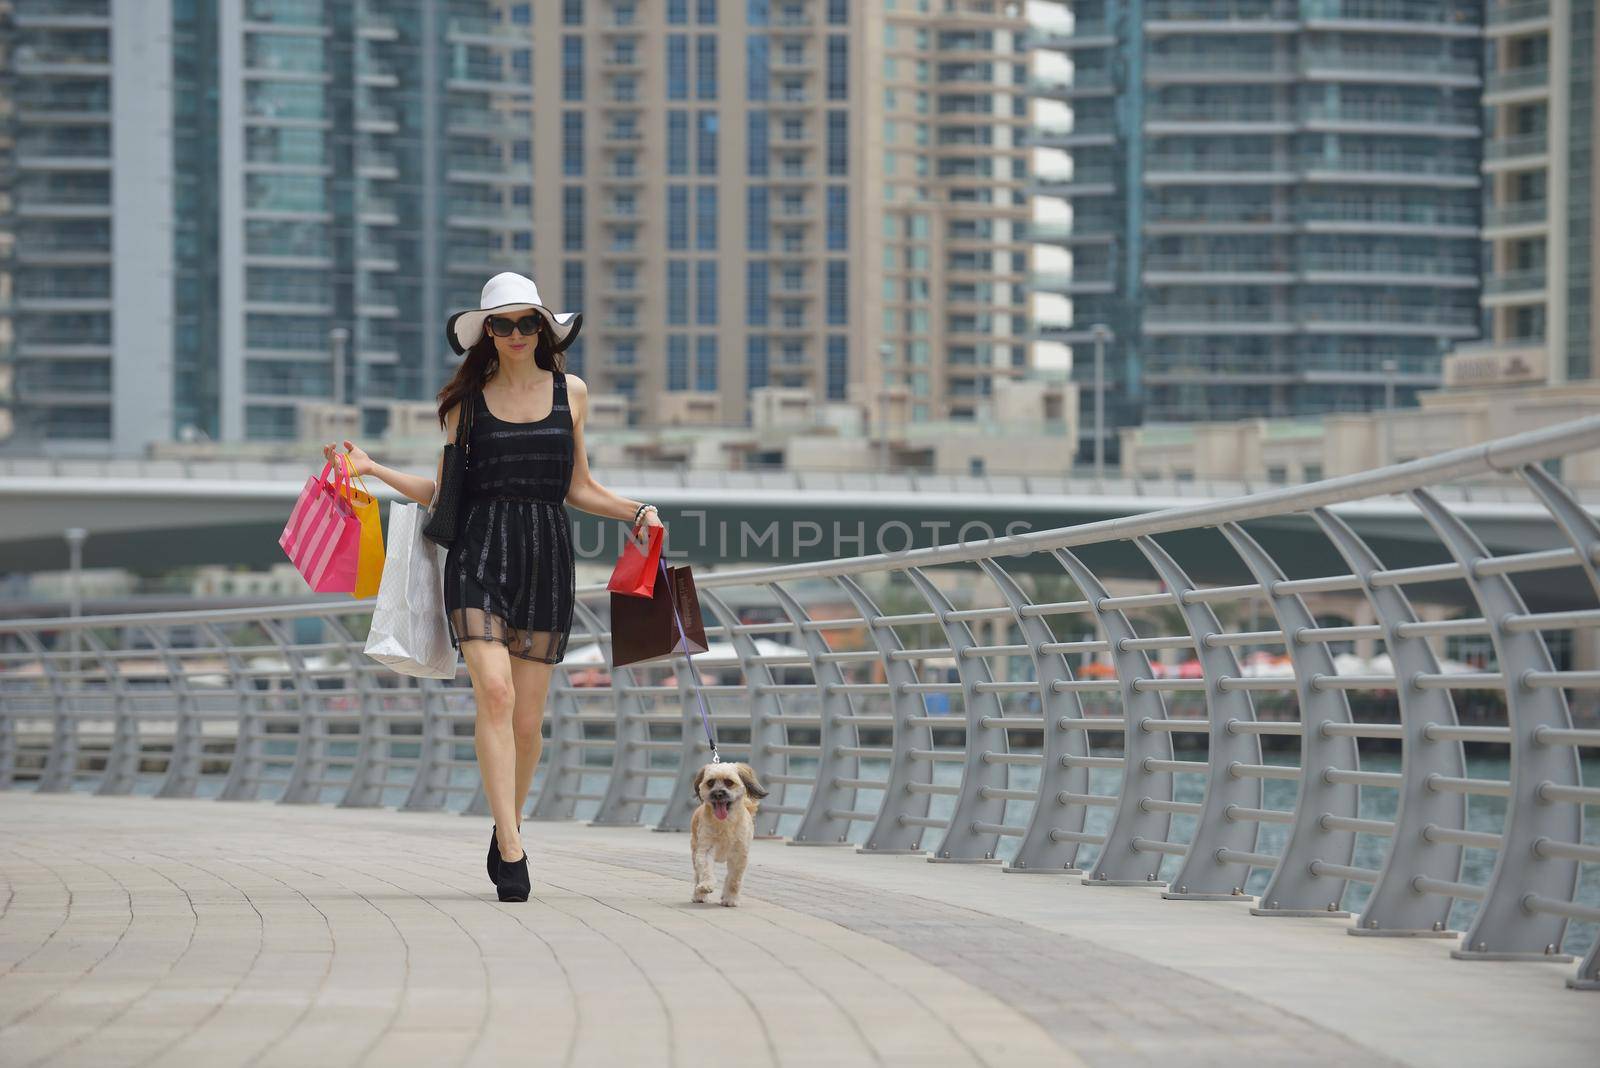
{"points": [[1201, 215], [1516, 80], [1413, 168], [1514, 284], [1230, 67], [1226, 11], [1253, 168], [1187, 115], [1393, 317], [1515, 150], [1200, 265], [1520, 213], [1429, 268], [1092, 82], [1370, 11], [1382, 216], [1500, 16], [1345, 65], [1374, 113]]}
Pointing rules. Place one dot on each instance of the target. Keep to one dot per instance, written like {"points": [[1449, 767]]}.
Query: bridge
{"points": [[155, 514], [1050, 853]]}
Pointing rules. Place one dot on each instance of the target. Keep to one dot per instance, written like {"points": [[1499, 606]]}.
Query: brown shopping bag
{"points": [[648, 629]]}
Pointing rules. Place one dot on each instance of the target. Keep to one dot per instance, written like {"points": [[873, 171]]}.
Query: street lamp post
{"points": [[1389, 368], [75, 538], [1101, 334]]}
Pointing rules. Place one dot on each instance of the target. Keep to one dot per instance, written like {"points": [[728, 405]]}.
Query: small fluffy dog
{"points": [[722, 827]]}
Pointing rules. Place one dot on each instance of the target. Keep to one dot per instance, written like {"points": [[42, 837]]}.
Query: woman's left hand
{"points": [[651, 519]]}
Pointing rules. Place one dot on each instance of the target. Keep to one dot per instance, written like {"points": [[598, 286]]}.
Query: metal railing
{"points": [[1033, 727]]}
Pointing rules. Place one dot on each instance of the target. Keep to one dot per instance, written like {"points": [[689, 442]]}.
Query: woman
{"points": [[508, 576]]}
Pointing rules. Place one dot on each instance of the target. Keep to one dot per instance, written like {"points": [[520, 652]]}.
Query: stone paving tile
{"points": [[143, 932]]}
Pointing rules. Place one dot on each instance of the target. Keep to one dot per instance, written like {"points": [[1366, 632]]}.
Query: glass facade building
{"points": [[1274, 204], [252, 206]]}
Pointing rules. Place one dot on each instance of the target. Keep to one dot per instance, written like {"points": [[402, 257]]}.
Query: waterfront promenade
{"points": [[137, 930]]}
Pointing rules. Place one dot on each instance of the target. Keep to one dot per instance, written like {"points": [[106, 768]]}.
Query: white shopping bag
{"points": [[408, 627]]}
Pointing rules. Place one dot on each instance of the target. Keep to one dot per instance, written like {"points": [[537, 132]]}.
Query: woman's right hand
{"points": [[360, 462]]}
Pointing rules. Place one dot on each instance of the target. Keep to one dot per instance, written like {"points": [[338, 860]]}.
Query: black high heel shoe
{"points": [[514, 883], [494, 857]]}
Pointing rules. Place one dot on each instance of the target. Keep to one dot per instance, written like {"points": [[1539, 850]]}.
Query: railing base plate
{"points": [[1258, 911], [835, 845], [1472, 954], [963, 860], [670, 830], [1173, 895], [1401, 932], [612, 823], [1009, 870], [893, 852], [1583, 984], [1154, 884]]}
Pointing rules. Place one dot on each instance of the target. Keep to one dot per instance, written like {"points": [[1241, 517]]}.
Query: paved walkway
{"points": [[137, 931]]}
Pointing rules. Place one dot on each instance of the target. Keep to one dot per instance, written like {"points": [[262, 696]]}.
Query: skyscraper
{"points": [[809, 193], [1541, 225], [222, 210], [1274, 203]]}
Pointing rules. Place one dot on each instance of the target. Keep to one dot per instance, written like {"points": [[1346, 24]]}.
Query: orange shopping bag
{"points": [[369, 566]]}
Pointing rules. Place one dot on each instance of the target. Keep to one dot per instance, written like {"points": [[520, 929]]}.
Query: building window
{"points": [[677, 142], [758, 12], [572, 298], [758, 67], [838, 142], [755, 291], [678, 217], [572, 218], [838, 367], [678, 292], [705, 295], [758, 225], [838, 293], [838, 67], [572, 67], [706, 67], [677, 12], [838, 12], [572, 144], [706, 12], [705, 364], [838, 218], [677, 363], [677, 66], [756, 366], [706, 221], [757, 145], [706, 143], [572, 12], [522, 14]]}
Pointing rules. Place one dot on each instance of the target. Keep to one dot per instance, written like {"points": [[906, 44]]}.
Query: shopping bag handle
{"points": [[694, 676]]}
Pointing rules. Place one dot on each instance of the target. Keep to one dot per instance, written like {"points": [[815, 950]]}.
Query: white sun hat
{"points": [[509, 291]]}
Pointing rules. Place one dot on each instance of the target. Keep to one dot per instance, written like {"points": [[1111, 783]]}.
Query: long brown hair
{"points": [[483, 360]]}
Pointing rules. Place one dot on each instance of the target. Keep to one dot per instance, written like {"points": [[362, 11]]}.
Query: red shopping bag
{"points": [[323, 535], [635, 573]]}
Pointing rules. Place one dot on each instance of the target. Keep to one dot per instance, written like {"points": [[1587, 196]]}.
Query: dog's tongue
{"points": [[720, 808]]}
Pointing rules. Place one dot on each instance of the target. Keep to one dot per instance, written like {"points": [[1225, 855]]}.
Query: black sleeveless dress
{"points": [[509, 574]]}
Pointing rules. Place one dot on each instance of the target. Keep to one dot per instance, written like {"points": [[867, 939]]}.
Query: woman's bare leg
{"points": [[489, 666], [532, 682]]}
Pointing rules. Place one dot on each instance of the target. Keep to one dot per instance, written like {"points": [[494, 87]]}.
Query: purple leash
{"points": [[694, 676]]}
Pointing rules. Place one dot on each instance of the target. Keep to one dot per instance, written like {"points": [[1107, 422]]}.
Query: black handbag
{"points": [[445, 514]]}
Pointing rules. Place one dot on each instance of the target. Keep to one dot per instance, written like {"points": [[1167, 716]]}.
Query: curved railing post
{"points": [[1208, 871], [1396, 906], [972, 836], [310, 761], [630, 761], [903, 816], [373, 738], [123, 758], [1297, 886], [244, 776], [768, 734], [1503, 928], [1051, 842], [60, 769], [430, 785], [819, 826], [1580, 528], [1119, 863], [556, 797], [182, 776]]}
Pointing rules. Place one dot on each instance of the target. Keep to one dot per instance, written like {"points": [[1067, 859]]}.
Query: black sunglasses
{"points": [[500, 326]]}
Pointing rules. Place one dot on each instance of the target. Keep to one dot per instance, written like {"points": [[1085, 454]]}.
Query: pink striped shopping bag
{"points": [[323, 535]]}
